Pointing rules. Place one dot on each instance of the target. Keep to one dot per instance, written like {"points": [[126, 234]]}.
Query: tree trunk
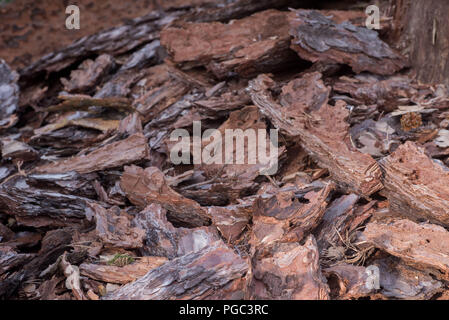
{"points": [[421, 32]]}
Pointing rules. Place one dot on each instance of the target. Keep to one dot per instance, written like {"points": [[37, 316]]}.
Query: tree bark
{"points": [[421, 29]]}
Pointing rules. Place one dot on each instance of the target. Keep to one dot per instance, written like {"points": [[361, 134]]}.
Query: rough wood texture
{"points": [[162, 239], [126, 151], [113, 227], [10, 259], [386, 94], [302, 111], [396, 281], [424, 246], [231, 220], [256, 43], [121, 275], [303, 208], [347, 281], [416, 186], [400, 281], [318, 38], [221, 178], [143, 187], [9, 92], [292, 272], [39, 207], [89, 74], [281, 268], [420, 31], [194, 276]]}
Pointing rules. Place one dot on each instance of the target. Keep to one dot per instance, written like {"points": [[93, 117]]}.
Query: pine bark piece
{"points": [[196, 275], [163, 239], [9, 96], [253, 44], [237, 178], [415, 185], [40, 207], [292, 272], [286, 216], [115, 154], [236, 9], [10, 259], [6, 234], [89, 74], [160, 235], [231, 220], [23, 240], [300, 209], [348, 281], [424, 246], [318, 38], [158, 93], [9, 92], [399, 281], [18, 151], [386, 94], [302, 112], [54, 244], [121, 275], [113, 227], [84, 102], [334, 216], [281, 267], [396, 281], [143, 187]]}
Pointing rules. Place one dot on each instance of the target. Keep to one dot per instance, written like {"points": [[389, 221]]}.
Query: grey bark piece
{"points": [[196, 275], [9, 91]]}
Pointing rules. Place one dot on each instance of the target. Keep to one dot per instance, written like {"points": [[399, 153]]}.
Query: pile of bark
{"points": [[92, 207]]}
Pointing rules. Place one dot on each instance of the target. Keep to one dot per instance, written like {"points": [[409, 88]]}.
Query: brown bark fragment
{"points": [[18, 151], [416, 186], [317, 38], [292, 272], [10, 259], [163, 239], [231, 220], [113, 41], [112, 155], [424, 246], [196, 275], [386, 94], [143, 187], [253, 44], [400, 281], [9, 95], [39, 207], [121, 275], [281, 267], [88, 74], [348, 281], [335, 218], [235, 175], [302, 111], [113, 227]]}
